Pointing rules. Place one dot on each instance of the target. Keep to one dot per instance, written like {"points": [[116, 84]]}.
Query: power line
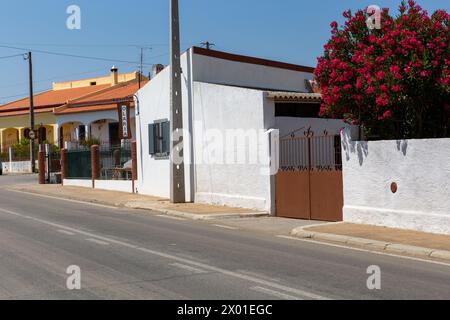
{"points": [[71, 55], [13, 56]]}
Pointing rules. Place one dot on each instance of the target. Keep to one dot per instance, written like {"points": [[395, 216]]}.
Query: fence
{"points": [[79, 164], [115, 162], [311, 153]]}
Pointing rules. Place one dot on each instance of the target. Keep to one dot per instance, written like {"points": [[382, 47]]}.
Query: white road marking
{"points": [[65, 199], [209, 268], [364, 250], [170, 217], [66, 232], [277, 294], [225, 227], [188, 268], [103, 243]]}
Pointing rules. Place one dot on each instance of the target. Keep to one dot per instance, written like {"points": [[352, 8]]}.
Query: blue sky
{"points": [[287, 30]]}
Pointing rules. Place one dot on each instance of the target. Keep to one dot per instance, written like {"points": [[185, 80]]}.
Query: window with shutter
{"points": [[152, 139], [159, 139]]}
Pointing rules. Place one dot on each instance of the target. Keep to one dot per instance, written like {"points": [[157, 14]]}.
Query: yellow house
{"points": [[15, 116]]}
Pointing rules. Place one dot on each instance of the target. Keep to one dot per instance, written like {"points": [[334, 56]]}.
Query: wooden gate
{"points": [[309, 183]]}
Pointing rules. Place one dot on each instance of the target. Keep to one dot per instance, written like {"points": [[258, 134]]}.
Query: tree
{"points": [[395, 81]]}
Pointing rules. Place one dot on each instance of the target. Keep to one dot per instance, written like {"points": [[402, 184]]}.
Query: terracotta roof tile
{"points": [[90, 108], [53, 98]]}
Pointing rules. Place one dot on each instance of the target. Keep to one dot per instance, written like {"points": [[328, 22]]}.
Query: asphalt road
{"points": [[132, 254]]}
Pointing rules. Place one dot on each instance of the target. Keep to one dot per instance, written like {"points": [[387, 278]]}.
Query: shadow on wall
{"points": [[361, 148], [351, 146], [402, 145]]}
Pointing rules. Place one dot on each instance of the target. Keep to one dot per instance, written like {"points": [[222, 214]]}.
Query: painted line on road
{"points": [[170, 217], [188, 268], [364, 250], [102, 243], [260, 282], [65, 199], [277, 294], [66, 232], [225, 227]]}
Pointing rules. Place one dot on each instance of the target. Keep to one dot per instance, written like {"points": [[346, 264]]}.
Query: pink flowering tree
{"points": [[395, 81]]}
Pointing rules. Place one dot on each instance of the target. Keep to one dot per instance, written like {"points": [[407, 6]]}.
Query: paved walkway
{"points": [[390, 235], [136, 201]]}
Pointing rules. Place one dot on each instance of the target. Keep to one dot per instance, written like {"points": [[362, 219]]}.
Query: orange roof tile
{"points": [[90, 108], [117, 92], [53, 98]]}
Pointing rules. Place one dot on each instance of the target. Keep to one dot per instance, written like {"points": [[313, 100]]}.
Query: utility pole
{"points": [[208, 45], [28, 57], [177, 185]]}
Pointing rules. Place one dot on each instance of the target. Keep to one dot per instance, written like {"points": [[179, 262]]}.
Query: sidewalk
{"points": [[395, 241], [135, 201]]}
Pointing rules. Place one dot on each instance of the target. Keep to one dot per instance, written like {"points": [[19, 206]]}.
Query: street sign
{"points": [[124, 121], [32, 135]]}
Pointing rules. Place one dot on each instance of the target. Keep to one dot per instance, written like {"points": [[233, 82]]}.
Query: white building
{"points": [[225, 98]]}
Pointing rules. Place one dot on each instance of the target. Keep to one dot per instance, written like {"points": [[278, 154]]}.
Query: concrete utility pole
{"points": [[30, 67], [177, 185]]}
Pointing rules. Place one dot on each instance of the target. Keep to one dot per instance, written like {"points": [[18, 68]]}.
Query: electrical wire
{"points": [[72, 55]]}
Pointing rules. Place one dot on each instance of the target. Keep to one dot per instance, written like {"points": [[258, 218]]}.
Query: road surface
{"points": [[132, 254]]}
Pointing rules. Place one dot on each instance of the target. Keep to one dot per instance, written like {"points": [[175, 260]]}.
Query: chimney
{"points": [[157, 68], [114, 76]]}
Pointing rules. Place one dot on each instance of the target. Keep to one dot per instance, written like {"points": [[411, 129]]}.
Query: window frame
{"points": [[159, 148]]}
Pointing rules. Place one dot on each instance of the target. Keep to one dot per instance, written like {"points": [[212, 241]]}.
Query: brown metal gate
{"points": [[309, 183]]}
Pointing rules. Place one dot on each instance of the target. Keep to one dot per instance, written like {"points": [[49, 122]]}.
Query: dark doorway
{"points": [[114, 134]]}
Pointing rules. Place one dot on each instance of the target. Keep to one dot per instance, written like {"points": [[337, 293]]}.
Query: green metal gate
{"points": [[79, 164]]}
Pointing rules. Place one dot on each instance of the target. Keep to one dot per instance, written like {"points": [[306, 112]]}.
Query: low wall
{"points": [[110, 185], [17, 167], [420, 170]]}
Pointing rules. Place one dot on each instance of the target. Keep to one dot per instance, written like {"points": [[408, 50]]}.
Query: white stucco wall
{"points": [[220, 71], [110, 185], [85, 183], [114, 185], [421, 169], [154, 104], [219, 108], [17, 167]]}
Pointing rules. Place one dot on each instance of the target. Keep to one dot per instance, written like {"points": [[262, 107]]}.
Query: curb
{"points": [[195, 216], [369, 244]]}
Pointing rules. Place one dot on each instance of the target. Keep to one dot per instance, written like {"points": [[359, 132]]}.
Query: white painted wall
{"points": [[219, 108], [85, 183], [114, 185], [220, 71], [110, 185], [154, 104], [421, 168], [17, 167]]}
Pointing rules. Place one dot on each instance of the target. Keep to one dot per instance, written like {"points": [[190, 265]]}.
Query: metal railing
{"points": [[115, 162], [311, 152]]}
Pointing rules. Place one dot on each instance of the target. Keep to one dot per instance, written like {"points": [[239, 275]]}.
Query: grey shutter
{"points": [[165, 137], [151, 139]]}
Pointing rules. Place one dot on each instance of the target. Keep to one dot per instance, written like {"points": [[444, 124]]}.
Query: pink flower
{"points": [[380, 75], [381, 101], [370, 90], [387, 115], [395, 88]]}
